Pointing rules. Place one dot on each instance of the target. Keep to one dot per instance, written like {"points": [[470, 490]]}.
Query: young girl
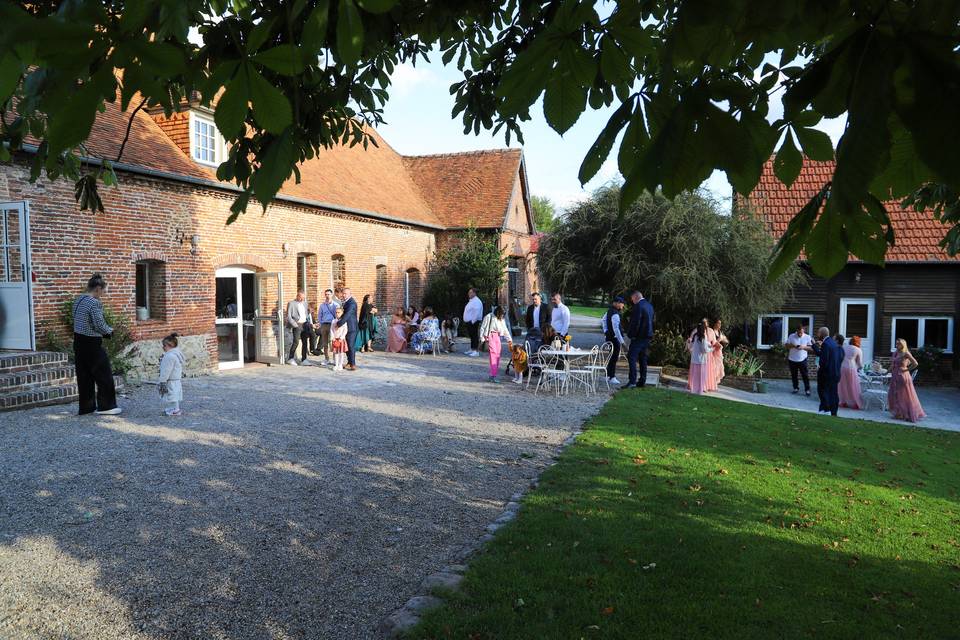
{"points": [[338, 335], [171, 372], [449, 333], [492, 330], [519, 361]]}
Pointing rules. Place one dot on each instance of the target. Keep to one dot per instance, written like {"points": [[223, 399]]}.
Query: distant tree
{"points": [[687, 256], [544, 212], [473, 261]]}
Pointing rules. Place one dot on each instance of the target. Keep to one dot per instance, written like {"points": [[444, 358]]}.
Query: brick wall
{"points": [[152, 219], [177, 128]]}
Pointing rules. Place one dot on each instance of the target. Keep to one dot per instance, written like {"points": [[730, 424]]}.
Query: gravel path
{"points": [[286, 503]]}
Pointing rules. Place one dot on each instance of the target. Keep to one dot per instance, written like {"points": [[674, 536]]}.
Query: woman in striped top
{"points": [[94, 375]]}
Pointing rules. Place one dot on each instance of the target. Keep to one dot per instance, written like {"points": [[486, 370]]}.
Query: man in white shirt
{"points": [[296, 316], [799, 342], [610, 323], [472, 316], [560, 318]]}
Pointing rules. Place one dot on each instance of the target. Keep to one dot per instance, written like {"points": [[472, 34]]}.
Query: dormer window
{"points": [[206, 144]]}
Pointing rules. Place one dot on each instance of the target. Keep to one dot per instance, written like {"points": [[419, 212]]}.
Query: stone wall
{"points": [[144, 357]]}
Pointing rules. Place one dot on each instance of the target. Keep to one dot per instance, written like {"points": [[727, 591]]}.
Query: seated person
{"points": [[397, 333], [429, 330], [413, 319], [448, 331]]}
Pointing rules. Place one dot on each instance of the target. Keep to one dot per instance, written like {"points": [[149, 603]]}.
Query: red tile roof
{"points": [[917, 234], [471, 188]]}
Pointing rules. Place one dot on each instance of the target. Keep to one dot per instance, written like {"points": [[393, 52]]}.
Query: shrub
{"points": [[928, 361], [473, 261], [115, 346], [742, 361], [669, 348]]}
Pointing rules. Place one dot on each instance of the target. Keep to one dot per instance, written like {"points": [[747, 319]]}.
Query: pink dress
{"points": [[712, 383], [902, 397], [849, 389], [397, 337], [700, 366], [716, 362]]}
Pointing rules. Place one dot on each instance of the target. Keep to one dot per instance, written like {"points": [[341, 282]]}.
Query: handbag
{"points": [[338, 344]]}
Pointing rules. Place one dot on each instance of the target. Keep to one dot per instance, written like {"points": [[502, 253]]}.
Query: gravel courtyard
{"points": [[286, 503]]}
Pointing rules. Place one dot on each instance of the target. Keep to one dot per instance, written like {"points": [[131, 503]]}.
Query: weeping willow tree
{"points": [[686, 255]]}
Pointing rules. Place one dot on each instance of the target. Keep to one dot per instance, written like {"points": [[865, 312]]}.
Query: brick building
{"points": [[371, 219]]}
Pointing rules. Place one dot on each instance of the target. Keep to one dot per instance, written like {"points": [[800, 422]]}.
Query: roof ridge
{"points": [[465, 153]]}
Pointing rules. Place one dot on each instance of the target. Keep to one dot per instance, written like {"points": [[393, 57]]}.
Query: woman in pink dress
{"points": [[719, 341], [902, 397], [700, 349], [397, 333], [849, 389]]}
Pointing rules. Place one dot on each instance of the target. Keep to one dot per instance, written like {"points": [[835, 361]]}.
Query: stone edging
{"points": [[450, 577]]}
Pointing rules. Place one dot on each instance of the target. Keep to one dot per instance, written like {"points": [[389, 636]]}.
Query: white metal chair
{"points": [[551, 374], [580, 374], [535, 363], [599, 365], [872, 387]]}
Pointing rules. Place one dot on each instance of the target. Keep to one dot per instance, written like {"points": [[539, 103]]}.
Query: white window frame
{"points": [[219, 145], [146, 284], [921, 331], [784, 328]]}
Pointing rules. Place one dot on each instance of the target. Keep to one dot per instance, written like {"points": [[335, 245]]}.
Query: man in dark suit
{"points": [[828, 371], [640, 332], [350, 318], [538, 314]]}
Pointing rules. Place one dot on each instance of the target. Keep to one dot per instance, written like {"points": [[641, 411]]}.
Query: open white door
{"points": [[857, 319], [16, 304], [268, 320]]}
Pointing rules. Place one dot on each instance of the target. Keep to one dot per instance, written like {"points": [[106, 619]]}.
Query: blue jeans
{"points": [[637, 357]]}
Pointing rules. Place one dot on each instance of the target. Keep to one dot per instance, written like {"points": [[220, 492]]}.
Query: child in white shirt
{"points": [[171, 372], [338, 336]]}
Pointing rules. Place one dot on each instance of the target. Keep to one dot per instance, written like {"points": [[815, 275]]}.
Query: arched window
{"points": [[338, 271], [412, 288], [380, 295]]}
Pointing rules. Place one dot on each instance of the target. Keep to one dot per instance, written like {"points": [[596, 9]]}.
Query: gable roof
{"points": [[470, 188], [916, 234]]}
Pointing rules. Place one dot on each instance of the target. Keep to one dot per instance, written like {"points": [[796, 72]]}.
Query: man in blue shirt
{"points": [[640, 332], [326, 313]]}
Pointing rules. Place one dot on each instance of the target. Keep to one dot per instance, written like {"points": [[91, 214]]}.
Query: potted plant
{"points": [[760, 386]]}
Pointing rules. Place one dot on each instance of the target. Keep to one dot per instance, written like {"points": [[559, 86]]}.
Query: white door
{"points": [[857, 319], [16, 307], [268, 319], [231, 329]]}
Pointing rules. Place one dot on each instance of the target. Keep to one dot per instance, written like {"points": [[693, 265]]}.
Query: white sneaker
{"points": [[110, 412], [613, 381], [474, 354], [327, 363], [292, 362]]}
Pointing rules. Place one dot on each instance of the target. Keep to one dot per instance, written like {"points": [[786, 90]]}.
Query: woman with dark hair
{"points": [[429, 330], [700, 349], [366, 325], [94, 375], [493, 329]]}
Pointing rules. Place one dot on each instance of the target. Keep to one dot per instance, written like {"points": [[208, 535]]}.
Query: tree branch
{"points": [[126, 135]]}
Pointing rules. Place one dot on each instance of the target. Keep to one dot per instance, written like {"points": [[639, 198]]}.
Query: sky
{"points": [[419, 122]]}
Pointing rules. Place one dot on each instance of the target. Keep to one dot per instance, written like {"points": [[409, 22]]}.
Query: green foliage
{"points": [[812, 527], [929, 363], [544, 212], [115, 346], [944, 203], [669, 348], [474, 260], [742, 361], [689, 85], [687, 256]]}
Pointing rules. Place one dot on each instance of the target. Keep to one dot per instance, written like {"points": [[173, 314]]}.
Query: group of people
{"points": [[336, 327], [413, 330], [706, 344]]}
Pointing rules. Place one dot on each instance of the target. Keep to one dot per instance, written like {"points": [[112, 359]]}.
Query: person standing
{"points": [[828, 371], [296, 318], [494, 330], [560, 317], [349, 319], [171, 372], [640, 332], [902, 396], [537, 315], [326, 314], [800, 346], [698, 378], [610, 323], [95, 386], [718, 340], [472, 315], [365, 326], [849, 389], [338, 340]]}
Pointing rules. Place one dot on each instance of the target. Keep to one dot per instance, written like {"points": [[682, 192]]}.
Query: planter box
{"points": [[744, 383]]}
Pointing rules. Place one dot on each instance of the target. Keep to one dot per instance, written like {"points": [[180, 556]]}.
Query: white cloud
{"points": [[406, 78]]}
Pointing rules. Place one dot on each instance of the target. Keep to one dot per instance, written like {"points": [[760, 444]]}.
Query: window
{"points": [[515, 280], [205, 142], [150, 289], [380, 296], [923, 331], [302, 272], [774, 328], [412, 293], [338, 272]]}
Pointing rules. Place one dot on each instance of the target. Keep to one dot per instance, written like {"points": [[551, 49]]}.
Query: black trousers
{"points": [[94, 375], [297, 332], [473, 330], [801, 368], [827, 389], [637, 357], [612, 365], [308, 341], [352, 347]]}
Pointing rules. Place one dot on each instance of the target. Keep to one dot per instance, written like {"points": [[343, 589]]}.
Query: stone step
{"points": [[16, 361], [41, 376], [42, 396]]}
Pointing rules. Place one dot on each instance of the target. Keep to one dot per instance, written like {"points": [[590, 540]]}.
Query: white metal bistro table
{"points": [[569, 357]]}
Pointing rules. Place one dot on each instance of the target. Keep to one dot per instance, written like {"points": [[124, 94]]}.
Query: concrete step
{"points": [[40, 376], [42, 396], [16, 361]]}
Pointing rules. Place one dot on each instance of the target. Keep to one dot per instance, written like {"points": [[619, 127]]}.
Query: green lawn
{"points": [[675, 516], [595, 312]]}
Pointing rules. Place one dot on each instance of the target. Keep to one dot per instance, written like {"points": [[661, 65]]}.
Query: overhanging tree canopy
{"points": [[691, 82]]}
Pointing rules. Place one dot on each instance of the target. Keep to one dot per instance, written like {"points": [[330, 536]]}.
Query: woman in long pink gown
{"points": [[718, 340], [849, 389], [902, 397], [397, 333], [700, 349]]}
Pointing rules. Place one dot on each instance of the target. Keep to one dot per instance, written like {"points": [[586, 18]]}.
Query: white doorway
{"points": [[16, 303], [236, 306], [857, 319]]}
